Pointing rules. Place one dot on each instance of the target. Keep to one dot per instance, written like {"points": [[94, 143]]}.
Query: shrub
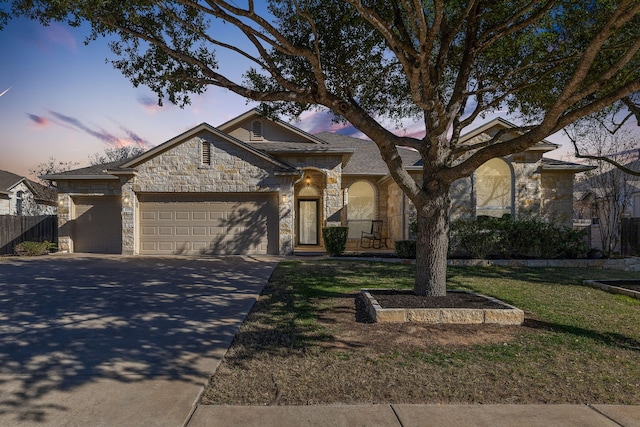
{"points": [[574, 245], [406, 248], [34, 248], [530, 237], [479, 238], [335, 239]]}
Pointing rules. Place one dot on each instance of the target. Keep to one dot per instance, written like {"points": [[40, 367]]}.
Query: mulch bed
{"points": [[633, 285], [407, 299]]}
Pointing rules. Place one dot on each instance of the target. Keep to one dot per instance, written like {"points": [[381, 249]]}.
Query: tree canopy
{"points": [[442, 62]]}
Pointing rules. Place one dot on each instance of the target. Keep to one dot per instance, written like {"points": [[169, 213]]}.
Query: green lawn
{"points": [[302, 344]]}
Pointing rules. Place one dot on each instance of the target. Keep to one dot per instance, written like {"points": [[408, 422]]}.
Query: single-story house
{"points": [[259, 186], [23, 197]]}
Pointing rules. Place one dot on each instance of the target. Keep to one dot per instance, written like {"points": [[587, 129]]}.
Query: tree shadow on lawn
{"points": [[69, 322], [561, 276], [610, 339]]}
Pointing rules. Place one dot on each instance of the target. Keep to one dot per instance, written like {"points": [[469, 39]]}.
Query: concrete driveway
{"points": [[112, 340]]}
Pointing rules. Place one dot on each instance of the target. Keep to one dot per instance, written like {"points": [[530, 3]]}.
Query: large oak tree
{"points": [[443, 62]]}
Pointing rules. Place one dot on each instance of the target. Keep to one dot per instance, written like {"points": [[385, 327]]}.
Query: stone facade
{"points": [[67, 191], [557, 197], [231, 169], [242, 158]]}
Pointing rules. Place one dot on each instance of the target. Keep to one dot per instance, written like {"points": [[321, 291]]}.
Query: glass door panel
{"points": [[308, 222]]}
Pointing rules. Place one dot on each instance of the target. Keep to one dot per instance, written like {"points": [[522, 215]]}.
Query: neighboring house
{"points": [[602, 200], [23, 197], [260, 186]]}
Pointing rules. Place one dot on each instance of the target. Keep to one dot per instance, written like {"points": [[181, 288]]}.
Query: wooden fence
{"points": [[16, 229], [630, 236]]}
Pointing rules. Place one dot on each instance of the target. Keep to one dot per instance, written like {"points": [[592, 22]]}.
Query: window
{"points": [[19, 195], [494, 192], [206, 153], [256, 130], [360, 208]]}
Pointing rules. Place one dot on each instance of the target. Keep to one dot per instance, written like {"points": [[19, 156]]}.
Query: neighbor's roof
{"points": [[8, 180]]}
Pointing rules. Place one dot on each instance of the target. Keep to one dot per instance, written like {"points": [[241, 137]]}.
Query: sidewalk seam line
{"points": [[603, 414], [397, 416]]}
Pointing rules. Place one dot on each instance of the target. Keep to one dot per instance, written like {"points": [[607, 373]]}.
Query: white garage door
{"points": [[97, 225], [239, 223]]}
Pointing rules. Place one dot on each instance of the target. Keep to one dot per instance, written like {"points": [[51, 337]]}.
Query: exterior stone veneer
{"points": [[233, 169], [67, 191]]}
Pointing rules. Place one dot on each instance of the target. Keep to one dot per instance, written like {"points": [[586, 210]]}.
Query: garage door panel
{"points": [[149, 215], [199, 231], [210, 223], [98, 224]]}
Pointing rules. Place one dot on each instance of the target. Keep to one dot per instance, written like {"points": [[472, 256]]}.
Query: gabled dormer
{"points": [[254, 128]]}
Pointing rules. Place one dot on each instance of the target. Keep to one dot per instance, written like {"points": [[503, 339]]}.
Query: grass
{"points": [[302, 343]]}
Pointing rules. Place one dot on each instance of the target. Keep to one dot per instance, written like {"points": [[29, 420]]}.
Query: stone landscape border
{"points": [[509, 315], [612, 288]]}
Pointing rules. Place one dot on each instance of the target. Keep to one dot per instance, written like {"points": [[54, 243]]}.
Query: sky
{"points": [[63, 99]]}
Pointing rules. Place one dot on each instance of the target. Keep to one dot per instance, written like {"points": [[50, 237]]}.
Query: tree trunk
{"points": [[432, 246]]}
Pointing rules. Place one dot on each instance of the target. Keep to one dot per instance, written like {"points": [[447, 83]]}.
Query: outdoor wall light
{"points": [[307, 180], [284, 198], [126, 200]]}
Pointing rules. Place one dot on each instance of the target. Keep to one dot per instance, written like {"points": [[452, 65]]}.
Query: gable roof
{"points": [[191, 133], [501, 124], [9, 180], [255, 114]]}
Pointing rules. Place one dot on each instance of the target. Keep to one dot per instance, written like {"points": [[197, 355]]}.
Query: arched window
{"points": [[360, 208], [19, 195], [494, 189]]}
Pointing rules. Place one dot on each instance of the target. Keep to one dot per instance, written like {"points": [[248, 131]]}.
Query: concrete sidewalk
{"points": [[417, 415]]}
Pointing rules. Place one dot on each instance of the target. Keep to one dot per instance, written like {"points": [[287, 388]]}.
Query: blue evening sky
{"points": [[61, 98]]}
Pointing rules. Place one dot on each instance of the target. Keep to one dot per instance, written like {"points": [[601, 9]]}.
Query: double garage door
{"points": [[208, 224]]}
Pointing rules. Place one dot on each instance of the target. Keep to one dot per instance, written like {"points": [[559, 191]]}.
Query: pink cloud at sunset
{"points": [[149, 103], [111, 139], [39, 121]]}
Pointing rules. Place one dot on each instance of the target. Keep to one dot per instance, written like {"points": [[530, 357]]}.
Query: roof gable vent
{"points": [[206, 153], [256, 130]]}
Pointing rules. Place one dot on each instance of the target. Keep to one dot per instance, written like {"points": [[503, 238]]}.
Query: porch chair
{"points": [[374, 238]]}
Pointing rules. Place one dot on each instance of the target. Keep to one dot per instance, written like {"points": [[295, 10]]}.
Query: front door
{"points": [[307, 222]]}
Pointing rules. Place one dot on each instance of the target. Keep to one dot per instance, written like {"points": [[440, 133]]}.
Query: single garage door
{"points": [[98, 225], [211, 223]]}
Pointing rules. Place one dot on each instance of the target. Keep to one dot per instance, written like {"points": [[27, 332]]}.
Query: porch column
{"points": [[333, 197]]}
